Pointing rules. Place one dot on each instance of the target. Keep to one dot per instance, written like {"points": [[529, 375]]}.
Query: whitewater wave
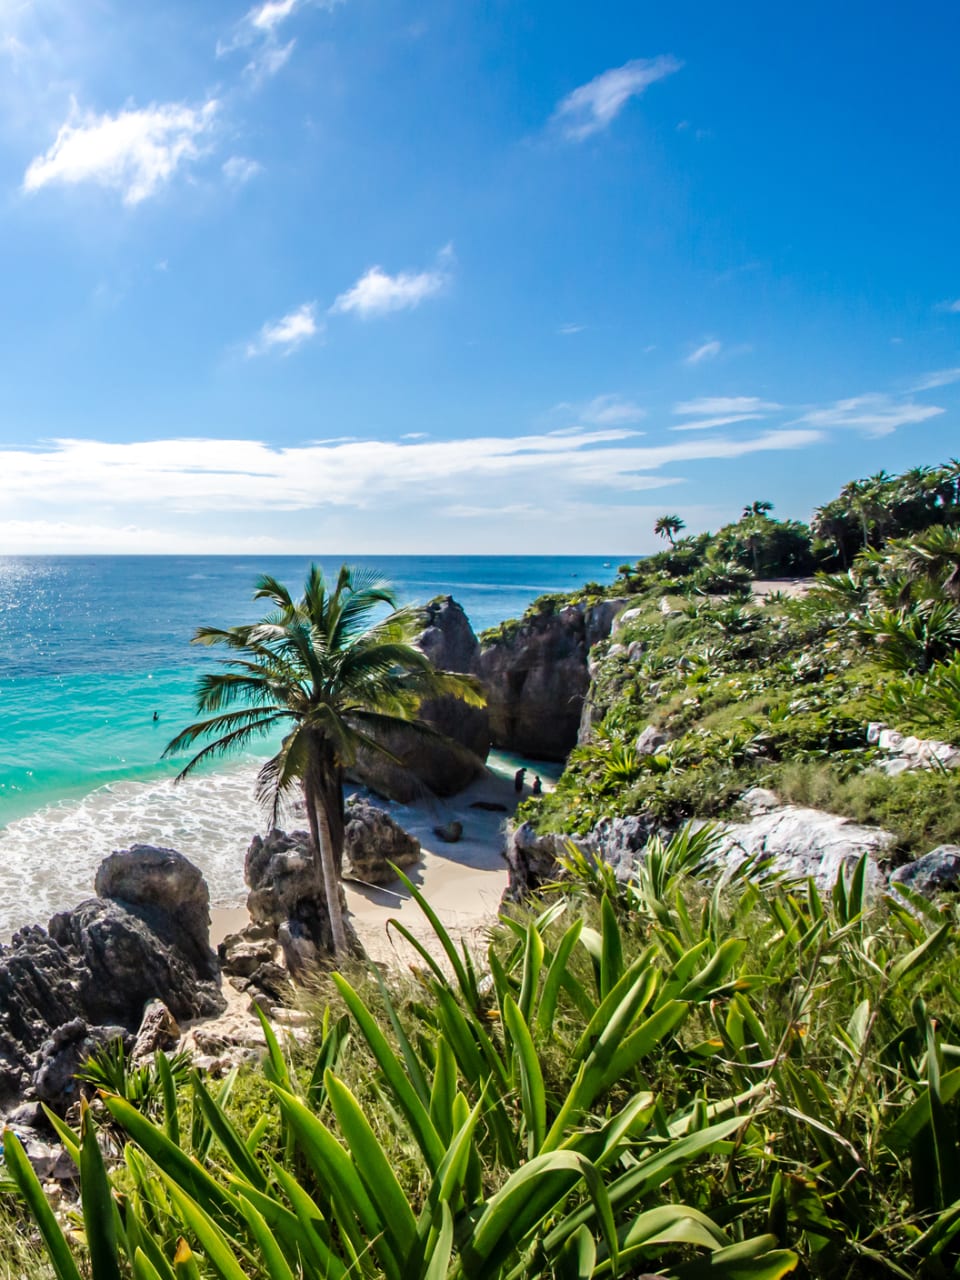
{"points": [[48, 859]]}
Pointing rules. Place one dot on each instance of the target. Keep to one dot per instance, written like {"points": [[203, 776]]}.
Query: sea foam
{"points": [[48, 859]]}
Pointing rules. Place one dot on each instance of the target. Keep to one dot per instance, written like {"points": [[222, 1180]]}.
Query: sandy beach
{"points": [[463, 882]]}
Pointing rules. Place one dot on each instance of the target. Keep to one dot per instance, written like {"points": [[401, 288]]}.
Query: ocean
{"points": [[92, 647]]}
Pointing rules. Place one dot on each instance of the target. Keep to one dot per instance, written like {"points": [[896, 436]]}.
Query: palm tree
{"points": [[667, 526], [336, 679], [756, 509], [935, 556]]}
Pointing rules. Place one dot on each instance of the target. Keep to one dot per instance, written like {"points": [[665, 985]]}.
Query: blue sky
{"points": [[454, 277]]}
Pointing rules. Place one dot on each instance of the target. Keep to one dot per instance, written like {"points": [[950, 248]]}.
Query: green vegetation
{"points": [[777, 691], [322, 667], [733, 1081]]}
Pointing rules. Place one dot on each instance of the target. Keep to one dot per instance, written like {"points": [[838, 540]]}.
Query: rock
{"points": [[62, 1056], [489, 806], [159, 1029], [531, 861], [936, 872], [624, 620], [284, 885], [874, 729], [889, 740], [130, 953], [428, 765], [300, 954], [167, 891], [98, 965], [537, 678], [893, 767], [450, 832], [49, 1160], [241, 953], [372, 841], [649, 741], [274, 980], [759, 800], [805, 842], [620, 842]]}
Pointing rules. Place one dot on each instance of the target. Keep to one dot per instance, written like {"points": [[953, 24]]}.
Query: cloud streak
{"points": [[706, 351], [875, 414], [135, 152], [595, 105]]}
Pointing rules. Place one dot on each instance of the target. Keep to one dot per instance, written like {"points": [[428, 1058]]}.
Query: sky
{"points": [[334, 276]]}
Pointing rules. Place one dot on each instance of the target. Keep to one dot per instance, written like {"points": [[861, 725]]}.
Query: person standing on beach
{"points": [[518, 781]]}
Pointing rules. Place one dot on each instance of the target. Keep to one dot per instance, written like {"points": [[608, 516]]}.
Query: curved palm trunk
{"points": [[327, 864]]}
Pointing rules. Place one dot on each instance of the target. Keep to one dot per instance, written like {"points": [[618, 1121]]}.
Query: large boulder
{"points": [[537, 677], [439, 765], [936, 872], [372, 841], [87, 977], [284, 886]]}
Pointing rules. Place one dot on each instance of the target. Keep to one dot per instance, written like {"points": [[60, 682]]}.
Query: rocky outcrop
{"points": [[86, 978], [537, 678], [446, 763], [372, 841], [903, 752], [936, 872], [282, 876]]}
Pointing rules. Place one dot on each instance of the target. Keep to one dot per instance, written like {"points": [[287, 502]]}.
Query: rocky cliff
{"points": [[427, 764], [537, 677]]}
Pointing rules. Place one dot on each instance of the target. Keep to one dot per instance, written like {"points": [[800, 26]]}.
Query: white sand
{"points": [[463, 882]]}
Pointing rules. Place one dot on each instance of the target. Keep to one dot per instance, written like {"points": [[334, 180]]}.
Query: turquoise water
{"points": [[91, 647]]}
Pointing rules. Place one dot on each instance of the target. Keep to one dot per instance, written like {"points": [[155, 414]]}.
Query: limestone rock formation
{"points": [[537, 678], [936, 872], [86, 978], [282, 876], [373, 840], [428, 764]]}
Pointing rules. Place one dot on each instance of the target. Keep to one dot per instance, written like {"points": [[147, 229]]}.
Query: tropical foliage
{"points": [[683, 1075]]}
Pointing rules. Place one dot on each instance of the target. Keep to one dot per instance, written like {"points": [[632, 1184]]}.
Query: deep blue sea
{"points": [[91, 647]]}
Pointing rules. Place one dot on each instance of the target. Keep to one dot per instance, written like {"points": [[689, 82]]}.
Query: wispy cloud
{"points": [[706, 351], [939, 378], [875, 414], [950, 305], [595, 105], [377, 293], [240, 169], [610, 410], [134, 152], [258, 34], [568, 329], [703, 405], [724, 420], [288, 333], [202, 475]]}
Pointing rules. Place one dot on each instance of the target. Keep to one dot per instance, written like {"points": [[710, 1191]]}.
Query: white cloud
{"points": [[704, 424], [707, 351], [702, 405], [134, 152], [241, 169], [953, 306], [203, 475], [288, 333], [875, 414], [610, 410], [568, 329], [376, 293], [939, 378], [258, 31], [593, 106]]}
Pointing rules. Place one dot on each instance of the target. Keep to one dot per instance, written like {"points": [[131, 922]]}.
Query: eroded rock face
{"points": [[936, 872], [372, 840], [427, 765], [87, 977], [284, 885], [537, 679]]}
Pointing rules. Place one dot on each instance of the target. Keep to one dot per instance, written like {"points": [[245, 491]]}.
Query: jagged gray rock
{"points": [[441, 766], [70, 1046], [537, 678], [936, 872], [373, 840], [98, 965], [284, 885]]}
